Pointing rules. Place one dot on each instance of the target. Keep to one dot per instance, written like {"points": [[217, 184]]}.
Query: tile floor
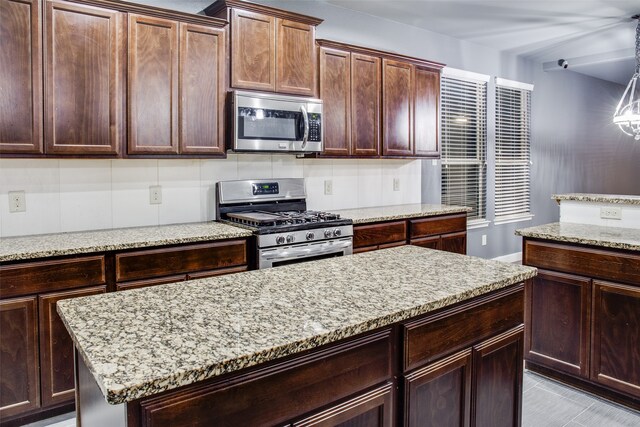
{"points": [[546, 403]]}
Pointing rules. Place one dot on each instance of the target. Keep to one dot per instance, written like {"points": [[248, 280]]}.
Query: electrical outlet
{"points": [[396, 184], [484, 240], [328, 187], [610, 212], [17, 201], [155, 194]]}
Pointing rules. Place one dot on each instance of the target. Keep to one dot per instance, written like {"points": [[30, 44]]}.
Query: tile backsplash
{"points": [[87, 194]]}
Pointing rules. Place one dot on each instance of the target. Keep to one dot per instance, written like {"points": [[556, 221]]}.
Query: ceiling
{"points": [[596, 37]]}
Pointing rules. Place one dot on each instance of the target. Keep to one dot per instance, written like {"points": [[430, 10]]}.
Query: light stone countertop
{"points": [[388, 213], [48, 245], [586, 234], [140, 342], [619, 199]]}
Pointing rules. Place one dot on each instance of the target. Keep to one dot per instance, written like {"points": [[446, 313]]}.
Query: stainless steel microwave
{"points": [[276, 123]]}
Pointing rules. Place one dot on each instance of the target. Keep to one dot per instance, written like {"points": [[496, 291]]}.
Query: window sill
{"points": [[512, 218], [477, 223]]}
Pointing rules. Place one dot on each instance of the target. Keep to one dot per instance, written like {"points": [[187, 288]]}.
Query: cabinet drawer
{"points": [[46, 276], [274, 394], [176, 260], [432, 337], [598, 263], [378, 234], [438, 225]]}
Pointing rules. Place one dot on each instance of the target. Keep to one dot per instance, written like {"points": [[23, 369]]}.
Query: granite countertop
{"points": [[48, 245], [140, 342], [599, 198], [387, 213], [586, 234]]}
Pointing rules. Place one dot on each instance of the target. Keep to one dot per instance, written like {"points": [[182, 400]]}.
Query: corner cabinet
{"points": [[271, 49], [583, 317]]}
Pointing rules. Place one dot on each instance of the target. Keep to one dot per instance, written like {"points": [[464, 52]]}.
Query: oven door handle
{"points": [[305, 118], [326, 248]]}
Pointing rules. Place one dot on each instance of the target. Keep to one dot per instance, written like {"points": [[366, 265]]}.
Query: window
{"points": [[513, 159], [464, 141]]}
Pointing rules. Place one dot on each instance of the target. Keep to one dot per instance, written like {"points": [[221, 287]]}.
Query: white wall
{"points": [[86, 194]]}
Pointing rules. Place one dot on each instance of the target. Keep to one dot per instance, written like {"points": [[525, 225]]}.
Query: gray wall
{"points": [[575, 147]]}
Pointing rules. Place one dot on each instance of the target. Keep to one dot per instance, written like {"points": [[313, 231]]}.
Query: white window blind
{"points": [[463, 143], [513, 140]]}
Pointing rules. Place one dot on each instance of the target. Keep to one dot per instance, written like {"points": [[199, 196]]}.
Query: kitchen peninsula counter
{"points": [[82, 242], [143, 342]]}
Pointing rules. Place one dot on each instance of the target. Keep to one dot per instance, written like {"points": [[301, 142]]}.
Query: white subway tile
{"points": [[212, 171], [369, 183], [180, 182], [254, 166], [345, 183], [286, 166]]}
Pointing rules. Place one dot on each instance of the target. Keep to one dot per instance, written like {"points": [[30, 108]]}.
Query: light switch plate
{"points": [[328, 187]]}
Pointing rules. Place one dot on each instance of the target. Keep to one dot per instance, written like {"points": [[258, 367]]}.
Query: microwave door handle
{"points": [[305, 117]]}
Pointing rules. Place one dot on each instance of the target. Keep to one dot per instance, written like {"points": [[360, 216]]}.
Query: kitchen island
{"points": [[362, 337], [583, 308]]}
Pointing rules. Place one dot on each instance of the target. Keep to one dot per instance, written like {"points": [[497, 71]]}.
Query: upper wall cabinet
{"points": [[271, 49], [350, 91], [20, 76], [84, 79]]}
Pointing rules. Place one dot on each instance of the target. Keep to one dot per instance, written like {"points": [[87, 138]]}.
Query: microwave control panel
{"points": [[315, 127]]}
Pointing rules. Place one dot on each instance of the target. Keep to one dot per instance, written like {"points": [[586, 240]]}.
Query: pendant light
{"points": [[627, 115]]}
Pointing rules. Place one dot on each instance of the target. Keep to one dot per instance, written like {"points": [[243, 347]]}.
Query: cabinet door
{"points": [[253, 50], [397, 114], [616, 336], [426, 113], [497, 380], [558, 308], [335, 92], [433, 242], [202, 89], [295, 58], [439, 394], [153, 85], [20, 77], [19, 386], [371, 409], [454, 242], [365, 105], [84, 75], [56, 348]]}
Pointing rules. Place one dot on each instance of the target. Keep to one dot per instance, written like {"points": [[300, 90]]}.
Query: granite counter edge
{"points": [[412, 215], [578, 240]]}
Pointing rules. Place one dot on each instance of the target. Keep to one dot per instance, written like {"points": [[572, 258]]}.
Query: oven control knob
{"points": [[327, 233], [290, 238], [310, 235], [280, 240], [337, 232]]}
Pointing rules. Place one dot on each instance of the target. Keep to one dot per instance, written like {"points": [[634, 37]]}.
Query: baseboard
{"points": [[514, 257]]}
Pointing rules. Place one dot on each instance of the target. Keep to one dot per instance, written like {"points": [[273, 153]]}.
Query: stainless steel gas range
{"points": [[286, 232]]}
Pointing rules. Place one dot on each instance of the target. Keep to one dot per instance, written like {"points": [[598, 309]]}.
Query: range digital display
{"points": [[265, 188]]}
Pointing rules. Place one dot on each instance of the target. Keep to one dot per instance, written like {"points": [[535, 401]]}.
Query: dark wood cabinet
{"points": [[253, 50], [19, 385], [295, 57], [202, 88], [454, 242], [615, 338], [464, 365], [371, 236], [397, 108], [558, 312], [153, 85], [426, 112], [440, 393], [84, 79], [371, 409], [21, 74], [56, 348], [272, 50], [350, 91], [583, 317]]}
